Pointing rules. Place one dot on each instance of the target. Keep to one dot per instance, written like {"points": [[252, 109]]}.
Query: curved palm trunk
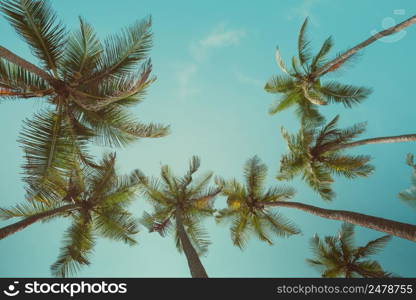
{"points": [[13, 58], [343, 57], [380, 140], [403, 230], [15, 227], [194, 263]]}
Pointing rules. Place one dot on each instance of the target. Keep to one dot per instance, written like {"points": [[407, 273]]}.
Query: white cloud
{"points": [[184, 77], [200, 50], [249, 80], [220, 37], [304, 9]]}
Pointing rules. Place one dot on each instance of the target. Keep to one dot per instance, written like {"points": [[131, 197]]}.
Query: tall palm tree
{"points": [[409, 196], [243, 208], [299, 86], [302, 84], [180, 204], [337, 256], [96, 202], [317, 153], [88, 85]]}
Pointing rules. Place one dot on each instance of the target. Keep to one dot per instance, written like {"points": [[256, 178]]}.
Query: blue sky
{"points": [[212, 60]]}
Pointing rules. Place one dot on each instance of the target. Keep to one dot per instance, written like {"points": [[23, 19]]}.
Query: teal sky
{"points": [[212, 59]]}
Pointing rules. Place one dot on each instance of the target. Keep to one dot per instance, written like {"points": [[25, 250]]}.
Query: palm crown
{"points": [[299, 85], [99, 199], [317, 154], [90, 86], [336, 256], [186, 198], [247, 206]]}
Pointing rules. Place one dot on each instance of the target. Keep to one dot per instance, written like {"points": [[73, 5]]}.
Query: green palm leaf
{"points": [[37, 24]]}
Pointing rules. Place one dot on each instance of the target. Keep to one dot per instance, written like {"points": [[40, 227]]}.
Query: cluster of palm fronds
{"points": [[89, 87]]}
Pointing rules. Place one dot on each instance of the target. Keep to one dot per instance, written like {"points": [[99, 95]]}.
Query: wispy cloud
{"points": [[305, 9], [184, 77], [249, 80], [200, 51], [220, 37]]}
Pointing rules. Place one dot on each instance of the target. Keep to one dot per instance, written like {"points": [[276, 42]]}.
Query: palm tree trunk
{"points": [[13, 58], [15, 227], [403, 230], [380, 140], [194, 263], [343, 57]]}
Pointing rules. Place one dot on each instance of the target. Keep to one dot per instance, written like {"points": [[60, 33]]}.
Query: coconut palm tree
{"points": [[88, 85], [243, 208], [409, 196], [317, 153], [337, 256], [180, 204], [299, 85], [302, 84], [96, 202]]}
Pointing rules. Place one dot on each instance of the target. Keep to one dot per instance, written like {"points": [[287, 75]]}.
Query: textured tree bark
{"points": [[403, 230], [343, 57], [194, 263], [15, 227], [379, 140], [13, 58]]}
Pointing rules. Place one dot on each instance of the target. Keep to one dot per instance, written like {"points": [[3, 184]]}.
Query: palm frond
{"points": [[304, 51], [116, 224], [373, 247], [115, 127], [49, 153], [280, 61], [278, 193], [36, 23], [240, 230], [279, 225], [123, 52], [16, 80], [288, 100], [260, 229], [77, 246], [255, 174], [197, 234], [280, 84], [82, 53], [348, 95], [320, 58]]}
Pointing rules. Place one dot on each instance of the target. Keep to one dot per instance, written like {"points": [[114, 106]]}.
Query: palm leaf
{"points": [[37, 24], [123, 52], [78, 243], [304, 51]]}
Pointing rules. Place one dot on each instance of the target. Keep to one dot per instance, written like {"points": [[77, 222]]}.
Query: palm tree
{"points": [[302, 84], [409, 196], [337, 256], [96, 202], [318, 153], [342, 58], [299, 86], [88, 85], [242, 207], [180, 204], [244, 203]]}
